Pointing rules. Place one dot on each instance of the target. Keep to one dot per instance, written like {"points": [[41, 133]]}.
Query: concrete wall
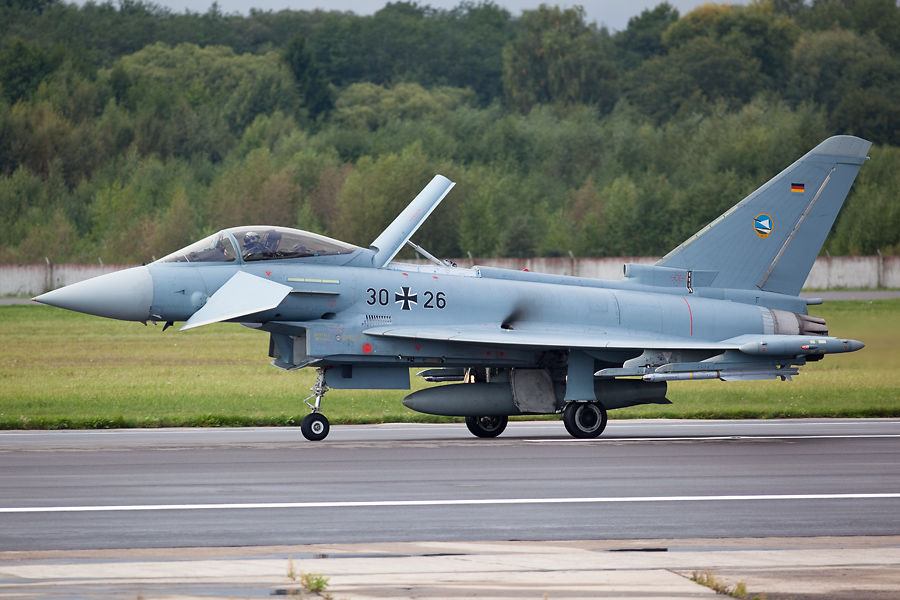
{"points": [[828, 273], [836, 272], [31, 280]]}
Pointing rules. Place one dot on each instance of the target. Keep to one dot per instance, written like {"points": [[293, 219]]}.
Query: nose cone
{"points": [[126, 295]]}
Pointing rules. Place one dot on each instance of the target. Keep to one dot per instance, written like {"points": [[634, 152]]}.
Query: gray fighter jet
{"points": [[722, 305]]}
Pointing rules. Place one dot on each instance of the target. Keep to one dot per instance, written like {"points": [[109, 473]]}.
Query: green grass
{"points": [[64, 369], [60, 369]]}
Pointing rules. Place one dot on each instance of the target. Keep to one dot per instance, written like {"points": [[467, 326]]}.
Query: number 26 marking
{"points": [[432, 300]]}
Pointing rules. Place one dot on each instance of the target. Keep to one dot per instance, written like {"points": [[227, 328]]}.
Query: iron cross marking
{"points": [[405, 298]]}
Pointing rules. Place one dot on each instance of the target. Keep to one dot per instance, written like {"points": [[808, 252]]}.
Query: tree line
{"points": [[128, 131]]}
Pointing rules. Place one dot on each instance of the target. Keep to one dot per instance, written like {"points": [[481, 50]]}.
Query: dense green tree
{"points": [[870, 222], [642, 39], [790, 8], [402, 42], [137, 204], [482, 211], [468, 45], [22, 68], [579, 226], [755, 30], [256, 190], [691, 76], [869, 114], [829, 64], [854, 77], [20, 193], [879, 17], [558, 58], [311, 82], [365, 105], [35, 6], [379, 188], [187, 98], [392, 42]]}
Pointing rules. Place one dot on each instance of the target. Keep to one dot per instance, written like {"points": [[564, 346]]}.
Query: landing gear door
{"points": [[532, 390], [289, 351]]}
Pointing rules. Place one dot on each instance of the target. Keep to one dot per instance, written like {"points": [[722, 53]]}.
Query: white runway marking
{"points": [[714, 438], [462, 502]]}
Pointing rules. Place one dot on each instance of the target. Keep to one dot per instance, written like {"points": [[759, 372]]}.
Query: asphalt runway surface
{"points": [[174, 488]]}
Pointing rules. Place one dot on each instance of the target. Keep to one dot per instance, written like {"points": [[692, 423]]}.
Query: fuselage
{"points": [[337, 303], [337, 307]]}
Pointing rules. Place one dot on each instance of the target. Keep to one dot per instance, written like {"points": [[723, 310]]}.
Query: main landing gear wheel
{"points": [[584, 419], [487, 427], [314, 427]]}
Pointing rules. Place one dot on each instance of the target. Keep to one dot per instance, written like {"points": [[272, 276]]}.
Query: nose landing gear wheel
{"points": [[584, 419], [314, 427], [486, 427]]}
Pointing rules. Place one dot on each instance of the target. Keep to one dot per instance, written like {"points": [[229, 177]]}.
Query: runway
{"points": [[174, 488]]}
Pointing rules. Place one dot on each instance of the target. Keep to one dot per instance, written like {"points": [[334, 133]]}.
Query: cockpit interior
{"points": [[255, 243]]}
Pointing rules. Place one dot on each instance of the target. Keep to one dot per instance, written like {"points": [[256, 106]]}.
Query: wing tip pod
{"points": [[798, 345]]}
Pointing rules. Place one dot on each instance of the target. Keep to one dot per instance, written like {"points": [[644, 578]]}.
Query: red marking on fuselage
{"points": [[367, 348], [691, 313]]}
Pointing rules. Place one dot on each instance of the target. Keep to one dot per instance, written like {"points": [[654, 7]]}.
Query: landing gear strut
{"points": [[584, 419], [314, 426]]}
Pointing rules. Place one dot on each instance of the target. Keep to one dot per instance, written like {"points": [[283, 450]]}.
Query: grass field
{"points": [[60, 369]]}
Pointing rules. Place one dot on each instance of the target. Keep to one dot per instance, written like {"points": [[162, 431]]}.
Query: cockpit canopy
{"points": [[259, 243]]}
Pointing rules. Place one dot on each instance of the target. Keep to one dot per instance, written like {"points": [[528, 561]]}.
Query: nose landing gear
{"points": [[315, 426]]}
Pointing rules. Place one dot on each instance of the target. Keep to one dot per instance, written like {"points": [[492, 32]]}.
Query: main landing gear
{"points": [[487, 427], [314, 426], [584, 419]]}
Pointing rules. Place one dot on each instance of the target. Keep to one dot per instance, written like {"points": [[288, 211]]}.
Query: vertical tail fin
{"points": [[771, 238]]}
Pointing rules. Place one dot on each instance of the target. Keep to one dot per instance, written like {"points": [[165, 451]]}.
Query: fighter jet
{"points": [[722, 305]]}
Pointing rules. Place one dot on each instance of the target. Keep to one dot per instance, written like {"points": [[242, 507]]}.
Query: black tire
{"points": [[314, 427], [487, 427], [584, 419]]}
